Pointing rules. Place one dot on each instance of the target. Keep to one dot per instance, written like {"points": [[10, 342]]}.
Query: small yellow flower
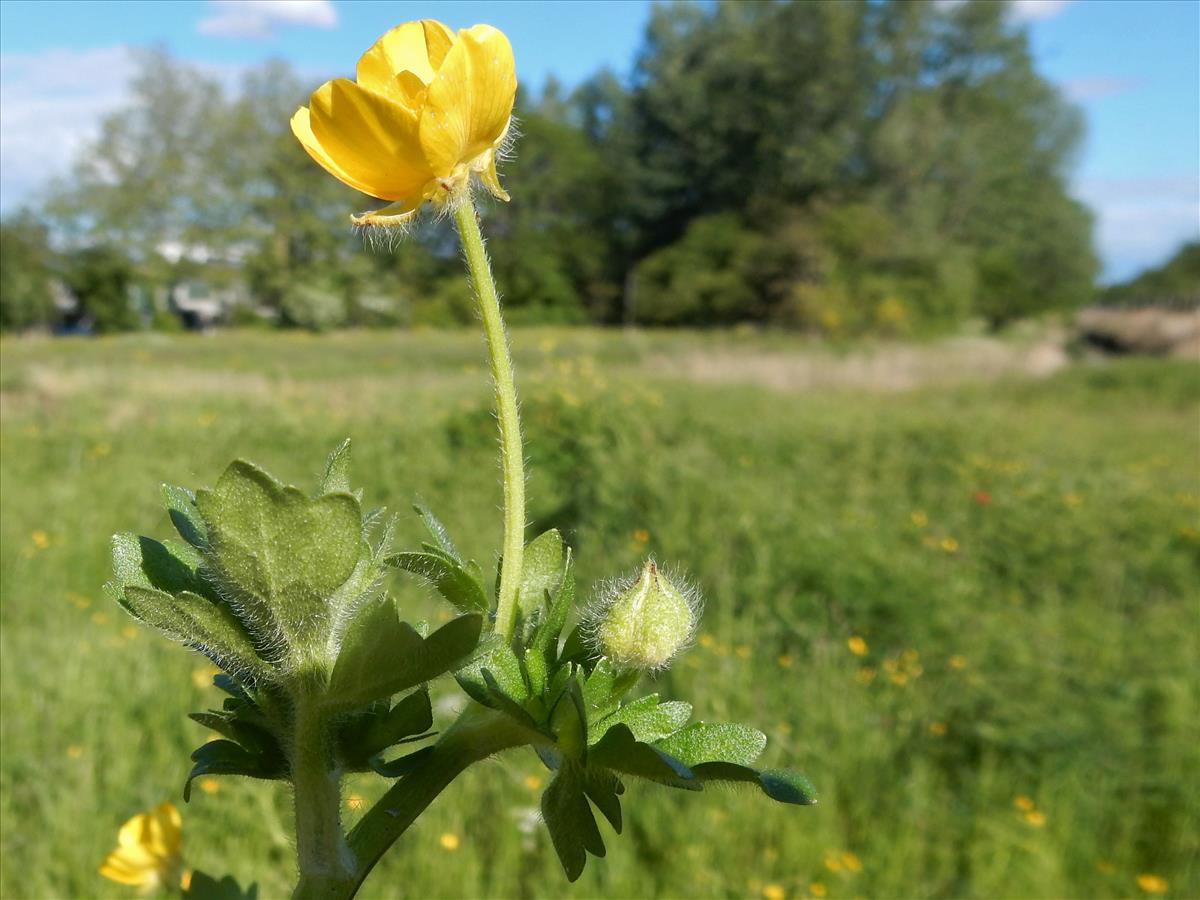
{"points": [[641, 535], [1072, 500], [817, 889], [899, 678], [833, 862], [957, 662], [202, 677], [1035, 818], [428, 109], [865, 675], [919, 518], [851, 862], [1023, 803], [129, 632], [938, 729], [209, 785], [533, 782], [949, 545], [100, 617], [449, 841], [147, 853], [1152, 884], [40, 539], [74, 751], [354, 801], [773, 891], [785, 661], [707, 641], [857, 646], [79, 601], [743, 651]]}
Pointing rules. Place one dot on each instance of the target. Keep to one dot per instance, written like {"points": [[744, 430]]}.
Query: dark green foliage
{"points": [[26, 271], [841, 167], [102, 278], [1175, 282]]}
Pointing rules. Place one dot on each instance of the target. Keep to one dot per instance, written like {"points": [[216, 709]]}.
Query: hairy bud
{"points": [[645, 622]]}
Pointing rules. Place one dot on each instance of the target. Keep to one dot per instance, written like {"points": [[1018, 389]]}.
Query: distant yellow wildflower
{"points": [[533, 782], [707, 641], [919, 518], [865, 675], [938, 729], [857, 646], [1036, 818], [428, 109], [785, 661], [1152, 884], [148, 850], [1023, 803], [851, 861], [817, 889], [41, 540], [354, 801], [949, 545], [75, 751], [773, 891], [209, 785], [957, 662], [640, 536], [743, 651], [449, 841], [1072, 500]]}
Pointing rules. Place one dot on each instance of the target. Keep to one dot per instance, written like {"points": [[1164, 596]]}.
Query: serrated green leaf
{"points": [[401, 766], [411, 715], [782, 785], [169, 567], [227, 758], [600, 690], [646, 717], [283, 553], [495, 655], [200, 624], [535, 670], [621, 751], [570, 822], [568, 721], [250, 736], [436, 529], [603, 789], [381, 656], [541, 571], [337, 470], [558, 608], [203, 886], [454, 581], [703, 742], [181, 507], [499, 699]]}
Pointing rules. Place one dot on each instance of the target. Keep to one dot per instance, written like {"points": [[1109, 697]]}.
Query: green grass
{"points": [[1041, 644]]}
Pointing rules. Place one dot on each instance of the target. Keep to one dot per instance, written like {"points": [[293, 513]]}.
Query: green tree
{"points": [[26, 271]]}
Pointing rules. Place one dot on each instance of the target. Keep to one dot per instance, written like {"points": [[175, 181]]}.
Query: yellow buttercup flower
{"points": [[428, 109], [148, 850]]}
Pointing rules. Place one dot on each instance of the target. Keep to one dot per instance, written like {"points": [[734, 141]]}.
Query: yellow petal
{"points": [[120, 873], [416, 47], [370, 138], [166, 830], [302, 129], [469, 103], [131, 833]]}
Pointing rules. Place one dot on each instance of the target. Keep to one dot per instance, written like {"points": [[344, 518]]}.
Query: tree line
{"points": [[843, 167]]}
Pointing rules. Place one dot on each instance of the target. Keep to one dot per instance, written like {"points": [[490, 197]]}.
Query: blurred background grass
{"points": [[967, 610]]}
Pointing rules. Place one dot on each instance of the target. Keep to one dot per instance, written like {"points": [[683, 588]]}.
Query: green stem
{"points": [[326, 866], [512, 458], [478, 734]]}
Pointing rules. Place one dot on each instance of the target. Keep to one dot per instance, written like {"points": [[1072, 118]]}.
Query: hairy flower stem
{"points": [[512, 455], [478, 734], [326, 866]]}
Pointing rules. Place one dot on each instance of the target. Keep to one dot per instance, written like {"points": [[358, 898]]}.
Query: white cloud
{"points": [[260, 18], [1081, 90], [1141, 221], [1036, 10], [50, 106]]}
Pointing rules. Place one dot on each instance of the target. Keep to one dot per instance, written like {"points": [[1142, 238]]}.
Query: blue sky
{"points": [[1132, 65]]}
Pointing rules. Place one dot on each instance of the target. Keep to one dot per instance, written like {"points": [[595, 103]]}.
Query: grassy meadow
{"points": [[964, 606]]}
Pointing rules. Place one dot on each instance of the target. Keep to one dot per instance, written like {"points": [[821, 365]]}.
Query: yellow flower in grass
{"points": [[428, 109], [148, 850], [1152, 884]]}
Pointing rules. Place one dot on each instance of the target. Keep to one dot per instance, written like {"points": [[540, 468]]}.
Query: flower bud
{"points": [[646, 622]]}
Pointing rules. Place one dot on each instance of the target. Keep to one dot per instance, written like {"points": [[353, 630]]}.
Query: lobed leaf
{"points": [[620, 751], [646, 717], [227, 758], [570, 821]]}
